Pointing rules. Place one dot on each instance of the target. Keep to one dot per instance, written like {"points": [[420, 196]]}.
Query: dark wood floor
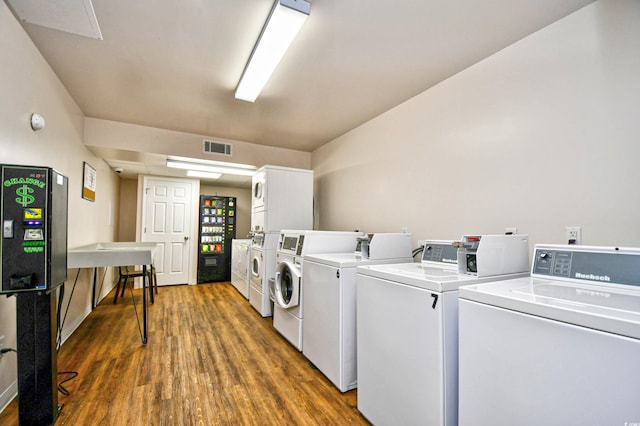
{"points": [[211, 359]]}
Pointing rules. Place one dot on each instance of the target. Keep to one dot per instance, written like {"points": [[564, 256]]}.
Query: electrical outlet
{"points": [[511, 231], [574, 235]]}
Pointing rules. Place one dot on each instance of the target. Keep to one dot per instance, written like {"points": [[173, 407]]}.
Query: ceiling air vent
{"points": [[212, 147]]}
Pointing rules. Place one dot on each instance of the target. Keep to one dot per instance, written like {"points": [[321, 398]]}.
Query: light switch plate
{"points": [[7, 228]]}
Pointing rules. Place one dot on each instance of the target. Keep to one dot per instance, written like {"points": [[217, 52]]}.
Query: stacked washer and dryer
{"points": [[282, 198], [293, 246]]}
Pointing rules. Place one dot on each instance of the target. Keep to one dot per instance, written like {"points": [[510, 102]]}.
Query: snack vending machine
{"points": [[33, 248], [217, 229]]}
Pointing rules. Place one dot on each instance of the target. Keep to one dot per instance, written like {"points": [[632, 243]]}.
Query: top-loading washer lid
{"points": [[346, 260], [579, 296], [429, 277], [605, 308]]}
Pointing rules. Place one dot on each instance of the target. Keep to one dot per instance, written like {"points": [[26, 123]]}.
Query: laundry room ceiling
{"points": [[175, 64]]}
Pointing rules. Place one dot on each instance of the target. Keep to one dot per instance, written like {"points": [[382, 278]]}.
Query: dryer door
{"points": [[287, 285], [256, 264], [259, 188]]}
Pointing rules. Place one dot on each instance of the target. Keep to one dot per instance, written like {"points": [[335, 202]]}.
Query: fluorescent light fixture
{"points": [[211, 162], [282, 26], [212, 167], [206, 175]]}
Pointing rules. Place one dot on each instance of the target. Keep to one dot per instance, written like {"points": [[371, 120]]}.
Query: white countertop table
{"points": [[116, 254]]}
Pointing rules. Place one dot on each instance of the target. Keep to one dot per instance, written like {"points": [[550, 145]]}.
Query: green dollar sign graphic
{"points": [[24, 199]]}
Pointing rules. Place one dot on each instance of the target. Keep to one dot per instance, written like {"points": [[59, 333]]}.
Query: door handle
{"points": [[186, 237]]}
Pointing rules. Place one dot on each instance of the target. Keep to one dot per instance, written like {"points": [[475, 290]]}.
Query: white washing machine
{"points": [[407, 326], [293, 246], [262, 265], [240, 251], [329, 299], [561, 347], [282, 198]]}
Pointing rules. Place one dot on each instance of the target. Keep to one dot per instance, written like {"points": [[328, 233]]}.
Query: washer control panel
{"points": [[443, 252], [601, 265]]}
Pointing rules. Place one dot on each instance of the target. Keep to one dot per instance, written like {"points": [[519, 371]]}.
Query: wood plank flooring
{"points": [[211, 359]]}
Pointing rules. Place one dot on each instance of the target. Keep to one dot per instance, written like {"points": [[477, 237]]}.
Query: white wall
{"points": [[115, 135], [28, 85], [542, 135]]}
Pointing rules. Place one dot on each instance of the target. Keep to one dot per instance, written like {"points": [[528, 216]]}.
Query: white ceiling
{"points": [[175, 64]]}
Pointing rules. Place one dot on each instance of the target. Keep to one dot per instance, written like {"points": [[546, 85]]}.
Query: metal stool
{"points": [[125, 274]]}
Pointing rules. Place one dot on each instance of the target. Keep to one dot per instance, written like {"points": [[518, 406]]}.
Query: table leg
{"points": [[144, 303], [93, 288], [152, 283]]}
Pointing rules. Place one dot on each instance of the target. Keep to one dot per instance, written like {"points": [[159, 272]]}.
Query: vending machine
{"points": [[217, 229], [33, 248]]}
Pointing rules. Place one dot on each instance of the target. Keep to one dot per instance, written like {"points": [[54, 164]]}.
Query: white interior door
{"points": [[166, 219]]}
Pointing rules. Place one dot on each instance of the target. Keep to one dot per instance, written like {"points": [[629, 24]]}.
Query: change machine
{"points": [[33, 248]]}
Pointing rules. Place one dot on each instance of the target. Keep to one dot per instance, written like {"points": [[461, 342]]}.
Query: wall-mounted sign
{"points": [[89, 182]]}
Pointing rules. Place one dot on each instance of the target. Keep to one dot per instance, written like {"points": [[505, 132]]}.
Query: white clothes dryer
{"points": [[329, 326], [240, 256], [293, 245], [282, 198], [560, 347], [407, 326], [262, 264]]}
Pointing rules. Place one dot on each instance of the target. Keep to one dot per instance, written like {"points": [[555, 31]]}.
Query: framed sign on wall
{"points": [[88, 182]]}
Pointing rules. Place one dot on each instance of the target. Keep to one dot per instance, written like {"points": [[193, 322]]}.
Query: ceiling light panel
{"points": [[211, 162], [282, 26], [209, 168], [206, 175], [71, 16]]}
